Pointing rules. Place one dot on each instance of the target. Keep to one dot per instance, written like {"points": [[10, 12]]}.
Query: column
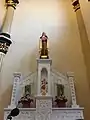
{"points": [[85, 45], [49, 82], [70, 76], [39, 78], [5, 39]]}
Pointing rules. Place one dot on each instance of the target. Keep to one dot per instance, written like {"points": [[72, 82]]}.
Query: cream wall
{"points": [[58, 20]]}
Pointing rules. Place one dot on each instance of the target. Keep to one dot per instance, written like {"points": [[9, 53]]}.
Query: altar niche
{"points": [[60, 100], [26, 101], [60, 89], [28, 89]]}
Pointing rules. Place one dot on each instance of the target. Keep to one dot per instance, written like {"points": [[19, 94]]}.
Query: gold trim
{"points": [[11, 3], [43, 56], [47, 44], [76, 5], [3, 47], [40, 44]]}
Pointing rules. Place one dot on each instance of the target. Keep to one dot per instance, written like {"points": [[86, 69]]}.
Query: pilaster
{"points": [[16, 81], [70, 76]]}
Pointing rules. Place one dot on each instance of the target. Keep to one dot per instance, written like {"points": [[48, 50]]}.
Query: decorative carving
{"points": [[3, 47], [23, 115], [17, 78], [70, 76], [67, 114], [5, 42], [12, 3], [57, 114], [43, 108], [76, 5]]}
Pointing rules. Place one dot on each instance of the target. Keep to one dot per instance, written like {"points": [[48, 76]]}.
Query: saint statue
{"points": [[44, 46], [60, 101], [44, 86], [26, 101]]}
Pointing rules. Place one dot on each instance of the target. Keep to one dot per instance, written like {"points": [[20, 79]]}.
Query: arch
{"points": [[44, 73]]}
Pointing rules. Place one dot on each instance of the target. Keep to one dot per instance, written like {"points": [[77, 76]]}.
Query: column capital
{"points": [[17, 74], [5, 42], [76, 4], [11, 3], [70, 74]]}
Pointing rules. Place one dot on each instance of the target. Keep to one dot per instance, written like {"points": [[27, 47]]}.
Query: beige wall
{"points": [[57, 19], [85, 7]]}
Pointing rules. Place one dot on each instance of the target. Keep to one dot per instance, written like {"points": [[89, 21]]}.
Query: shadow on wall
{"points": [[28, 62], [5, 101], [84, 42]]}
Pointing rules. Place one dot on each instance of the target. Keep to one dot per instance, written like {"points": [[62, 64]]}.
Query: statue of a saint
{"points": [[44, 46], [44, 87], [26, 101], [60, 101]]}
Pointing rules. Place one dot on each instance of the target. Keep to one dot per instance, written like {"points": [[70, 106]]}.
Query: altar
{"points": [[44, 94]]}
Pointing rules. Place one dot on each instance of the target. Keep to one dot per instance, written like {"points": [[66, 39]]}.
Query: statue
{"points": [[26, 101], [44, 87], [15, 1], [44, 46], [60, 101]]}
